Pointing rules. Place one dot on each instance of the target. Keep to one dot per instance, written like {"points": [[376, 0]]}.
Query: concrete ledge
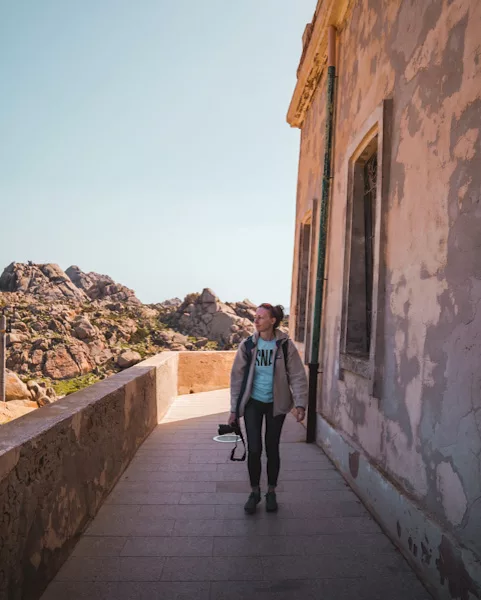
{"points": [[59, 463], [166, 367], [447, 569]]}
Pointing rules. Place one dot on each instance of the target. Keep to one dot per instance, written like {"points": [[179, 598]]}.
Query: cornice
{"points": [[313, 61]]}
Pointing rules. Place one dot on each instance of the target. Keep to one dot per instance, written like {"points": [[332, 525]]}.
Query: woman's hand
{"points": [[232, 418], [300, 414]]}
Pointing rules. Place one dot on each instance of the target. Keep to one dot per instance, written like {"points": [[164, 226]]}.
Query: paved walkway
{"points": [[174, 527]]}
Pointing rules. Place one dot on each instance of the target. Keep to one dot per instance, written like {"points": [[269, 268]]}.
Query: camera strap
{"points": [[238, 432], [248, 347]]}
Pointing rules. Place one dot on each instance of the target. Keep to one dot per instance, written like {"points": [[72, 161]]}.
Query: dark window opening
{"points": [[303, 281], [359, 312]]}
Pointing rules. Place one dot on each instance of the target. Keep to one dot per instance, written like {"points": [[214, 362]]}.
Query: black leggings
{"points": [[253, 416]]}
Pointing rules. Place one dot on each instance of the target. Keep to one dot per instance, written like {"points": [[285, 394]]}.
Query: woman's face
{"points": [[263, 320]]}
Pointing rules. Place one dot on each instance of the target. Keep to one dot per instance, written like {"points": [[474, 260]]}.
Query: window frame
{"points": [[303, 276], [369, 367]]}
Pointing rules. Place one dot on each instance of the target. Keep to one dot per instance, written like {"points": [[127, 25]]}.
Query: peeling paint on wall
{"points": [[452, 494], [453, 572]]}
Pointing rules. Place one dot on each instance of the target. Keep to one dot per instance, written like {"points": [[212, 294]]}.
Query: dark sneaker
{"points": [[251, 504], [271, 502]]}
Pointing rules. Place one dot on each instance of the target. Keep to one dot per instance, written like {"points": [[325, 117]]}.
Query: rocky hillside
{"points": [[206, 318], [70, 329], [101, 287], [45, 282]]}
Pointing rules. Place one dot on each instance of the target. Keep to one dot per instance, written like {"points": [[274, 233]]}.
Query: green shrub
{"points": [[211, 345], [140, 335], [69, 386]]}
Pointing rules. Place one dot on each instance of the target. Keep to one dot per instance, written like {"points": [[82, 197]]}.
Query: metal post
{"points": [[3, 331], [321, 253]]}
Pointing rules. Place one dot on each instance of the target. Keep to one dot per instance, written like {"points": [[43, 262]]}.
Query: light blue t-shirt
{"points": [[264, 371]]}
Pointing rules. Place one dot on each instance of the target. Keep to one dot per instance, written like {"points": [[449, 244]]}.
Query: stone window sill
{"points": [[360, 365]]}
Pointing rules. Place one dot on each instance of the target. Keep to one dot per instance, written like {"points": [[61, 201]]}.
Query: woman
{"points": [[267, 380]]}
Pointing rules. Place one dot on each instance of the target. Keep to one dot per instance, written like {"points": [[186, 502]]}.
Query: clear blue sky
{"points": [[147, 140]]}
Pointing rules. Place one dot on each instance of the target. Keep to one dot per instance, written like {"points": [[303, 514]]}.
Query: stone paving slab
{"points": [[174, 526]]}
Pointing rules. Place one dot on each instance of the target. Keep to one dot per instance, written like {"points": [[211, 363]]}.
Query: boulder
{"points": [[100, 287], [98, 349], [35, 390], [220, 327], [15, 389], [177, 347], [178, 338], [57, 326], [128, 358], [43, 401], [245, 309], [163, 338], [148, 313], [81, 355], [172, 302], [115, 306], [207, 297], [25, 402], [41, 344], [15, 359], [59, 364], [36, 358], [84, 329], [53, 272], [16, 338], [79, 278], [11, 410], [208, 307]]}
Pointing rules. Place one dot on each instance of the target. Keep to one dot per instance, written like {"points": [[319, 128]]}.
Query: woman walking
{"points": [[267, 380]]}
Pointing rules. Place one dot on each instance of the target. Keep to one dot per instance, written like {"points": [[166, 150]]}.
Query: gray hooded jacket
{"points": [[290, 388]]}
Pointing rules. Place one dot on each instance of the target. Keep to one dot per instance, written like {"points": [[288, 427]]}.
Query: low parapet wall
{"points": [[204, 371], [59, 463]]}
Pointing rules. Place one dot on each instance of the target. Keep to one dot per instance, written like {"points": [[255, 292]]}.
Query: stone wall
{"points": [[414, 412], [59, 463]]}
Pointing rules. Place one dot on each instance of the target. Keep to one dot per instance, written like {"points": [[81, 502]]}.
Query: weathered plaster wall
{"points": [[310, 170], [424, 428], [448, 569], [204, 371]]}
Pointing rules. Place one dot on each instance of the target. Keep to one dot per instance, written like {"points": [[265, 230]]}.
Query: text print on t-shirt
{"points": [[264, 358]]}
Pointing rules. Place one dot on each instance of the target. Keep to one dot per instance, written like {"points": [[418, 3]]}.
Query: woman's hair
{"points": [[276, 312]]}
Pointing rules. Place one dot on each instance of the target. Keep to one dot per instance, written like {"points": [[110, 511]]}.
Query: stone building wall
{"points": [[408, 80]]}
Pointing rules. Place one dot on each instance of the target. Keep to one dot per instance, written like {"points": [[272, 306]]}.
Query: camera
{"points": [[225, 429], [234, 428]]}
